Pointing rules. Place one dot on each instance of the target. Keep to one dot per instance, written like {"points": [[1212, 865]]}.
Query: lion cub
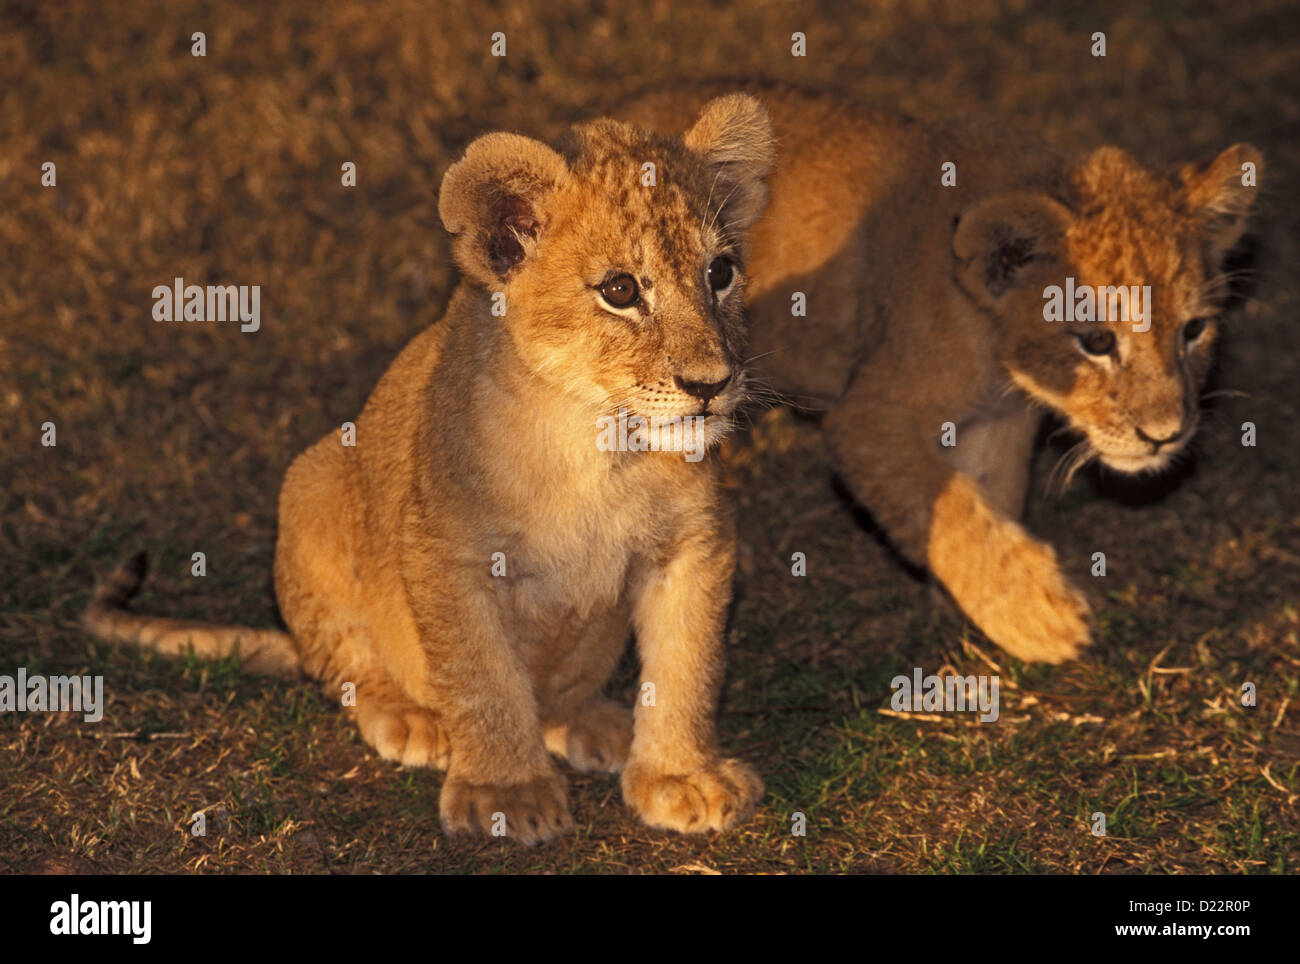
{"points": [[933, 261], [476, 562]]}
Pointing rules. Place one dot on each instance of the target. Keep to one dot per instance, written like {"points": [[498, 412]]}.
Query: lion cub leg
{"points": [[676, 777], [596, 739], [1008, 582], [399, 729], [500, 780], [996, 452], [1022, 599]]}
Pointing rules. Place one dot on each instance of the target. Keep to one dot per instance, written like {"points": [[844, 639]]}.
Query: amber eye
{"points": [[1099, 342], [720, 273], [1194, 328], [620, 291]]}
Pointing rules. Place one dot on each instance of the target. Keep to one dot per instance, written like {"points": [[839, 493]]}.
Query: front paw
{"points": [[597, 740], [1042, 618], [529, 813], [1006, 581], [716, 797]]}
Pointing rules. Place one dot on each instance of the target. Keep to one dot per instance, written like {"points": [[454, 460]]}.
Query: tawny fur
{"points": [[925, 306], [481, 438]]}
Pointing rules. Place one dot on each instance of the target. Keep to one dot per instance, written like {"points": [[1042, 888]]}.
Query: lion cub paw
{"points": [[716, 797], [1045, 619], [528, 813], [597, 740], [411, 735]]}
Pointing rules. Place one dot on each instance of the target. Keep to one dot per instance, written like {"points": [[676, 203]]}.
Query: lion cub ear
{"points": [[490, 203], [734, 136], [996, 241], [1220, 195]]}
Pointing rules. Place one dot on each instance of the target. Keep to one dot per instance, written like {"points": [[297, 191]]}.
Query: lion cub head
{"points": [[619, 257], [1108, 300]]}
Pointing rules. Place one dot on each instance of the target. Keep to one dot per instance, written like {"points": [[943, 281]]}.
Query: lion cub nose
{"points": [[701, 390]]}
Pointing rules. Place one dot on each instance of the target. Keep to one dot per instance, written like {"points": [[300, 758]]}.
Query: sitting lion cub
{"points": [[474, 564], [932, 285]]}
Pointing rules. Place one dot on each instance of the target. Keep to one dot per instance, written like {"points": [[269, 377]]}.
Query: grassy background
{"points": [[174, 438]]}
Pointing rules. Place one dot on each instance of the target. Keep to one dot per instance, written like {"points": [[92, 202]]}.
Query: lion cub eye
{"points": [[1100, 342], [720, 273], [1194, 329], [620, 291]]}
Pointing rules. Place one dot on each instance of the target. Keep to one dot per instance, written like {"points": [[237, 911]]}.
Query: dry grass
{"points": [[175, 437]]}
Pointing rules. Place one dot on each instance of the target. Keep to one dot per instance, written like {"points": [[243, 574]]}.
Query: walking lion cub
{"points": [[474, 564], [920, 282]]}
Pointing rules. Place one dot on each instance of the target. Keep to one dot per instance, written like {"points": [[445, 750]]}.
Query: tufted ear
{"points": [[997, 240], [1220, 195], [490, 203], [734, 136]]}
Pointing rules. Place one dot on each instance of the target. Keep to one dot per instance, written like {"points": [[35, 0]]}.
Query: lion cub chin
{"points": [[475, 563]]}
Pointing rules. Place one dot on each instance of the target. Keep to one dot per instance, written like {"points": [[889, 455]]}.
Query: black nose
{"points": [[701, 390], [1157, 442]]}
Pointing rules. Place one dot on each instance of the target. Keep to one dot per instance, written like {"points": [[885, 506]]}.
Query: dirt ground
{"points": [[175, 438]]}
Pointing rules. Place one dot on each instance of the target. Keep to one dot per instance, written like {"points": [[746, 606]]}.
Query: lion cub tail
{"points": [[260, 650]]}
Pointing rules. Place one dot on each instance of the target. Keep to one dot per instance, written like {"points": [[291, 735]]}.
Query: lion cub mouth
{"points": [[692, 434]]}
